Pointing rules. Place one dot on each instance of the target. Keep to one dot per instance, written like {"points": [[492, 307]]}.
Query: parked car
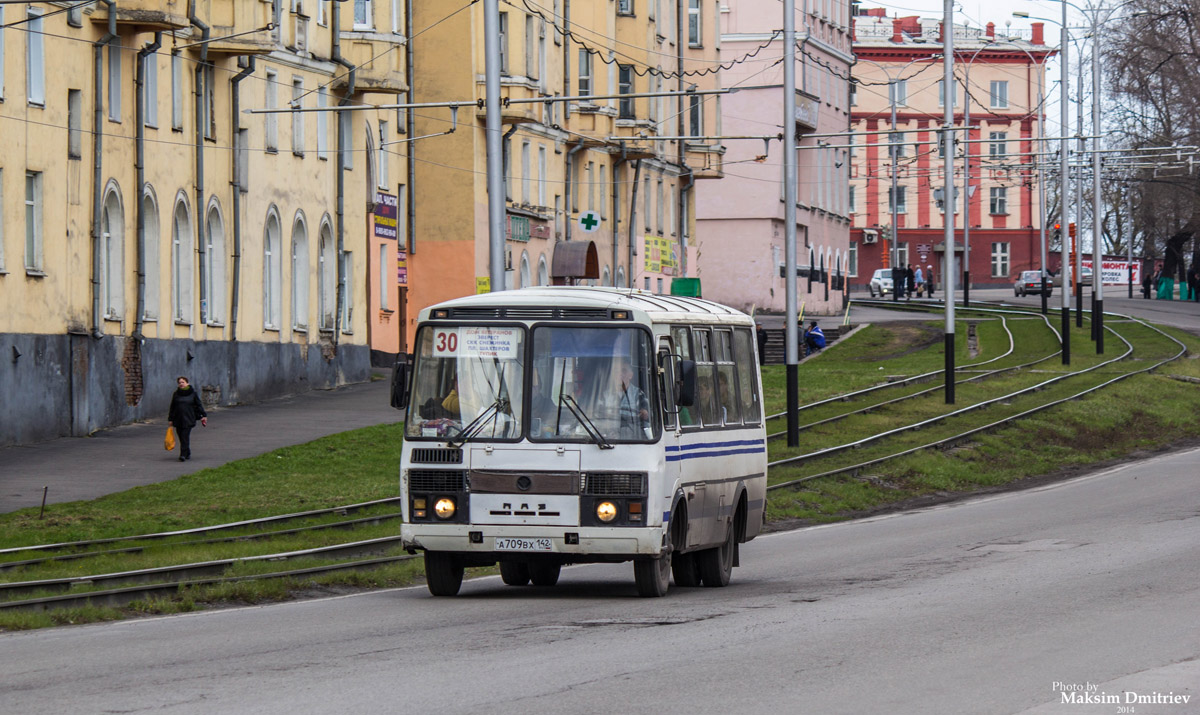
{"points": [[1085, 278], [881, 282], [1030, 283]]}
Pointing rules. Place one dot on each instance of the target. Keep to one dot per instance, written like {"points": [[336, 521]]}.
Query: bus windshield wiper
{"points": [[476, 425], [573, 405]]}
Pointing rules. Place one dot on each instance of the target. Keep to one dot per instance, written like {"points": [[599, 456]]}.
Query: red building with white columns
{"points": [[1002, 75]]}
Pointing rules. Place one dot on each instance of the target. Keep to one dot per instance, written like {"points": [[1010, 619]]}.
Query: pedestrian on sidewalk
{"points": [[929, 280], [760, 334], [814, 338], [186, 410], [919, 277]]}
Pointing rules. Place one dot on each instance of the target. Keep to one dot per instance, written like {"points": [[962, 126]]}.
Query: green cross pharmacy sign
{"points": [[589, 221]]}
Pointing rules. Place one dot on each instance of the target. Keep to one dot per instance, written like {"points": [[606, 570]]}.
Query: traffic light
{"points": [[1057, 231]]}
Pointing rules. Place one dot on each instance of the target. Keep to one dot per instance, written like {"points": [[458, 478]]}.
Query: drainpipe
{"points": [[140, 166], [681, 216], [409, 118], [566, 59], [570, 173], [616, 228], [336, 29], [236, 101], [205, 301], [97, 162]]}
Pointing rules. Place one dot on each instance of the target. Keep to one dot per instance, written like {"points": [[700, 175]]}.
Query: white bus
{"points": [[551, 426]]}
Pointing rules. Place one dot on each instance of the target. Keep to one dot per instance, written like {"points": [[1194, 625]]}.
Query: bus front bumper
{"points": [[578, 542]]}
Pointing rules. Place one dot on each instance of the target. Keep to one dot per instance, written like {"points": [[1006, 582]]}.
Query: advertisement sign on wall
{"points": [[1116, 272], [385, 215]]}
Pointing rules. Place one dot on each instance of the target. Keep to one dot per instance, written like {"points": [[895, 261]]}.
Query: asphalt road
{"points": [[994, 605]]}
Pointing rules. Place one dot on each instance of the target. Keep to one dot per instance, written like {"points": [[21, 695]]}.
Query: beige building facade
{"points": [[152, 227]]}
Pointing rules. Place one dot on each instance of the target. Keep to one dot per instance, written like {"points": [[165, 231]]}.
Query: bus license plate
{"points": [[509, 544]]}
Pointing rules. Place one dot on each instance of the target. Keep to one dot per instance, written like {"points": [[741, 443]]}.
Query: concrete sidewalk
{"points": [[117, 459]]}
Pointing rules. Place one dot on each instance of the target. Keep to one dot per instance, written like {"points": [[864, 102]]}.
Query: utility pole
{"points": [[791, 334], [1064, 147], [1097, 242], [948, 155], [495, 161]]}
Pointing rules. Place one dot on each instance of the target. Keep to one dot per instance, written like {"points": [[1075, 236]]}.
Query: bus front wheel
{"points": [[443, 573]]}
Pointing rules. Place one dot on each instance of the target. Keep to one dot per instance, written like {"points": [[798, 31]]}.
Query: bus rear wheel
{"points": [[514, 573], [716, 564], [443, 573]]}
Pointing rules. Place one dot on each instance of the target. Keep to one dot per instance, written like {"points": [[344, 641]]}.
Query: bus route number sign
{"points": [[499, 343], [445, 343]]}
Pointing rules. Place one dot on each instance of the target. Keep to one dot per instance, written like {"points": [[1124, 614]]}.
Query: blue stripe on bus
{"points": [[716, 453], [711, 445]]}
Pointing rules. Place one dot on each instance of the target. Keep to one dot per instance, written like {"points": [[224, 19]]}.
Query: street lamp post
{"points": [[1097, 253], [948, 148]]}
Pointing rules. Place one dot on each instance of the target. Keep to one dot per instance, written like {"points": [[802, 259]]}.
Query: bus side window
{"points": [[726, 390], [706, 388], [666, 363], [681, 342], [747, 382]]}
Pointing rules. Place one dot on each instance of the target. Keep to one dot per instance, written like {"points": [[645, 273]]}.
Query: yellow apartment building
{"points": [[152, 227], [585, 165]]}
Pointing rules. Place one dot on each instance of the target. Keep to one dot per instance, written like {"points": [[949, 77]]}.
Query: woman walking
{"points": [[186, 408]]}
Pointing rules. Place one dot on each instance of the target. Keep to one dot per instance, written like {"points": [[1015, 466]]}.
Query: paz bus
{"points": [[559, 425]]}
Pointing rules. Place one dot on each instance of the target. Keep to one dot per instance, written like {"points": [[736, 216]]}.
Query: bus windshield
{"points": [[603, 373], [468, 383]]}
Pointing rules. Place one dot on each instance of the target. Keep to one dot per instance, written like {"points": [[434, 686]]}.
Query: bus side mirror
{"points": [[686, 383], [400, 383]]}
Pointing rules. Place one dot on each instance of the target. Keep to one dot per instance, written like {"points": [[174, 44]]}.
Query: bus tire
{"points": [[685, 570], [716, 564], [653, 576], [514, 573], [544, 574], [443, 573]]}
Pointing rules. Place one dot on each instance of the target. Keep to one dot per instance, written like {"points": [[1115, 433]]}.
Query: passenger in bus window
{"points": [[450, 402], [705, 398], [728, 406], [633, 407]]}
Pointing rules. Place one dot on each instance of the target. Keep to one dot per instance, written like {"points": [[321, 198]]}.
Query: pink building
{"points": [[740, 228]]}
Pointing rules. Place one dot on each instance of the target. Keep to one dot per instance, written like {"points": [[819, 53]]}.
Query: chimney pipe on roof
{"points": [[1039, 37], [991, 29], [897, 33], [942, 32]]}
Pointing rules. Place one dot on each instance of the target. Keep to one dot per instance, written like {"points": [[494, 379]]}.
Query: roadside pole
{"points": [[791, 334]]}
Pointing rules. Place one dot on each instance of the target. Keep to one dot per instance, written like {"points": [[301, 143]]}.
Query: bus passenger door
{"points": [[670, 420], [679, 422]]}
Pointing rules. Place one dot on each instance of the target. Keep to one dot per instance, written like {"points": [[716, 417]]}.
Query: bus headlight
{"points": [[606, 511], [444, 508]]}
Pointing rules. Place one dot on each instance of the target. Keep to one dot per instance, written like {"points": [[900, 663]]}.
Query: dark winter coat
{"points": [[186, 408]]}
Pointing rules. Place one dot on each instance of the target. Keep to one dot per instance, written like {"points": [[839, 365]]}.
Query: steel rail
{"points": [[180, 571], [947, 441], [341, 510], [933, 420], [4, 566]]}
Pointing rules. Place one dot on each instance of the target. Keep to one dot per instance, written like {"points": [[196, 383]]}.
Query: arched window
{"points": [[272, 271], [620, 276], [181, 260], [525, 272], [543, 272], [300, 273], [326, 276], [150, 239], [214, 264], [606, 277], [112, 254]]}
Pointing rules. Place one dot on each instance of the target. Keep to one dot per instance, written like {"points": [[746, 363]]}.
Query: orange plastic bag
{"points": [[169, 440]]}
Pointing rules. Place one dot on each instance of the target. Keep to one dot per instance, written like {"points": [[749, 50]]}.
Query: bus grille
{"points": [[436, 480], [633, 485], [437, 456]]}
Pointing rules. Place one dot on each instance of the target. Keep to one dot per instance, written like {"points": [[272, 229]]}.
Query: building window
{"points": [[2, 271], [35, 59], [150, 252], [853, 94], [526, 170], [850, 197], [384, 180], [363, 15], [2, 52], [181, 263], [624, 7], [590, 188], [271, 121], [150, 90], [939, 199], [385, 251], [646, 202], [322, 125], [603, 190], [585, 73], [852, 259], [344, 290], [695, 29], [695, 117], [176, 92], [531, 67], [326, 278], [298, 117], [114, 82], [299, 274], [999, 260], [998, 144], [503, 43], [897, 145], [658, 197], [506, 169], [272, 273], [213, 308], [74, 124], [898, 92], [999, 94], [112, 254], [646, 284], [33, 220], [942, 94], [999, 200], [541, 198], [901, 201], [625, 86]]}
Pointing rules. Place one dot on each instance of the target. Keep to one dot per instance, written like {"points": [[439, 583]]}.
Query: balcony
{"points": [[642, 144], [147, 14], [522, 113], [707, 161], [379, 66], [232, 17]]}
